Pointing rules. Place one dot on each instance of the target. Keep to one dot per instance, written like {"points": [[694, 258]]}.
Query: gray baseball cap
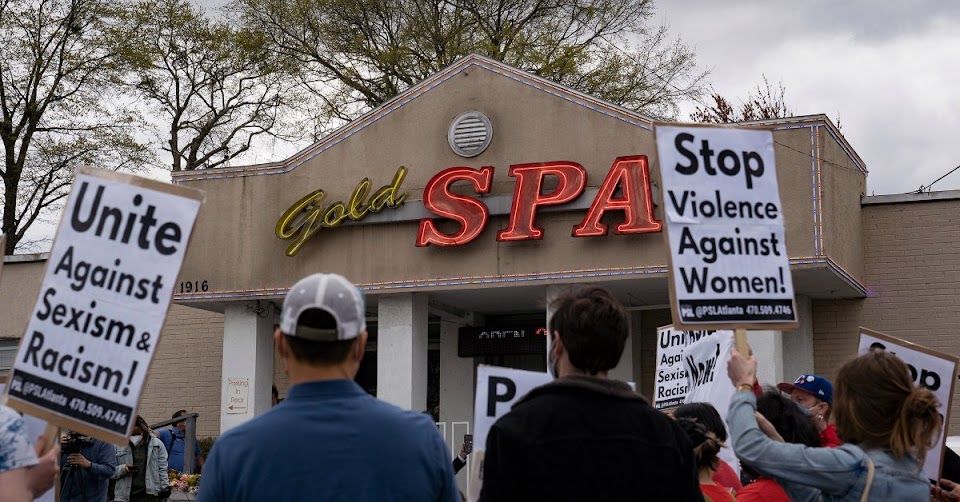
{"points": [[331, 293]]}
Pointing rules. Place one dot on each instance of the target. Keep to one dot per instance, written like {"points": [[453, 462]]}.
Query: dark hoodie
{"points": [[582, 438]]}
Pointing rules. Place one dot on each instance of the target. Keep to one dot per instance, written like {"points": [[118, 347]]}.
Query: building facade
{"points": [[449, 207]]}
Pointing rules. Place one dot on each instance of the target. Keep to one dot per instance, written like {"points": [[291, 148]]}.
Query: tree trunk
{"points": [[11, 186]]}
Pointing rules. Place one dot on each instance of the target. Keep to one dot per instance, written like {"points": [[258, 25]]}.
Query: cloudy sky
{"points": [[889, 70]]}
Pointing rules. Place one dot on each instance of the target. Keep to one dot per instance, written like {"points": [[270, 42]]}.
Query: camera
{"points": [[75, 442]]}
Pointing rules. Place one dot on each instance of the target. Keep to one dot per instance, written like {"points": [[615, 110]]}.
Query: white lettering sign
{"points": [[729, 263], [108, 284]]}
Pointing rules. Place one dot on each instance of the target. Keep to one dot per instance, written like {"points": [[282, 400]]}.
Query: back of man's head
{"points": [[323, 315], [593, 326]]}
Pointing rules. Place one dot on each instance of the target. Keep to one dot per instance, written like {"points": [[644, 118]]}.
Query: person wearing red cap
{"points": [[815, 394]]}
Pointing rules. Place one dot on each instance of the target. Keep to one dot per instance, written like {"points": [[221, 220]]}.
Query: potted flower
{"points": [[183, 486]]}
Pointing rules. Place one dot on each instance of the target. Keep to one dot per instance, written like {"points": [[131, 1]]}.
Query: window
{"points": [[8, 352]]}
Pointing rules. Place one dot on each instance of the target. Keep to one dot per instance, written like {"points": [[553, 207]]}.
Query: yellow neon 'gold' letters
{"points": [[307, 216]]}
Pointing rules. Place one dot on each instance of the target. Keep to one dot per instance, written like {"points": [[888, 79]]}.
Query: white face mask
{"points": [[136, 439]]}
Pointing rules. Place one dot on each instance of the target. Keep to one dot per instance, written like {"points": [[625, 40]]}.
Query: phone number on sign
{"points": [[95, 410], [769, 309]]}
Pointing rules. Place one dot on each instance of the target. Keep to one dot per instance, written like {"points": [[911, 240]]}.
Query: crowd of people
{"points": [[89, 469], [583, 436]]}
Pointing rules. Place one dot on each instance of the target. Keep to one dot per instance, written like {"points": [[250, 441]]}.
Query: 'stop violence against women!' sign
{"points": [[108, 284], [728, 255]]}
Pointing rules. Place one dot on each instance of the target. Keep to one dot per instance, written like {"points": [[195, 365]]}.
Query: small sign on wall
{"points": [[238, 392]]}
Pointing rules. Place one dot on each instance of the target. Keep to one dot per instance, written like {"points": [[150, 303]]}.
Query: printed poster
{"points": [[109, 281], [725, 230]]}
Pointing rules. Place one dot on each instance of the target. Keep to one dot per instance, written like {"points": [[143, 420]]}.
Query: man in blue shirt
{"points": [[173, 440], [329, 439]]}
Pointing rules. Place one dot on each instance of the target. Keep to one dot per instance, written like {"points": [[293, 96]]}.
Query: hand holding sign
{"points": [[741, 369]]}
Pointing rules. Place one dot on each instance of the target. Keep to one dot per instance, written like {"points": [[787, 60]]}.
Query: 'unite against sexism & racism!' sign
{"points": [[728, 256], [108, 284]]}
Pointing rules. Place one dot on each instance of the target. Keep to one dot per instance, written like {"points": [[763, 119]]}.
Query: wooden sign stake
{"points": [[740, 342]]}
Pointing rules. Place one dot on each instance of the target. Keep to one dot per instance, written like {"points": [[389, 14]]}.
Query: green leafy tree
{"points": [[58, 106], [352, 55], [213, 87]]}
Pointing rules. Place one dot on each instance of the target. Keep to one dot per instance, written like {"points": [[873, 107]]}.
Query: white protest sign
{"points": [[497, 390], [671, 386], [705, 362], [108, 284], [724, 225], [930, 369]]}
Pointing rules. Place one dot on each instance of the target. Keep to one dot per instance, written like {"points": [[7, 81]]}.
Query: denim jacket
{"points": [[155, 477], [840, 474]]}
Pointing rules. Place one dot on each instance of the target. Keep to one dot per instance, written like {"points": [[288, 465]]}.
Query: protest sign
{"points": [[109, 280], [497, 390], [705, 362], [671, 386], [930, 369], [724, 228]]}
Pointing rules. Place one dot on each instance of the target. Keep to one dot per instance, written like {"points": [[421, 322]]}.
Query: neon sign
{"points": [[307, 216], [630, 174], [626, 189]]}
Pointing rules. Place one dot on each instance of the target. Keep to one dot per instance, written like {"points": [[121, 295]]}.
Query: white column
{"points": [[798, 343], [767, 346], [624, 369], [402, 350], [456, 392], [247, 361], [636, 339]]}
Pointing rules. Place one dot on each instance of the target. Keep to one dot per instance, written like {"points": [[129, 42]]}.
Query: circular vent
{"points": [[470, 134]]}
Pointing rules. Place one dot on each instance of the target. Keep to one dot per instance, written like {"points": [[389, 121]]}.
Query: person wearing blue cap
{"points": [[815, 393]]}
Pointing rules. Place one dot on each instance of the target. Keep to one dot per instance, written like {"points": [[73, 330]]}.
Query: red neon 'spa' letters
{"points": [[527, 196], [633, 176], [470, 213], [630, 174]]}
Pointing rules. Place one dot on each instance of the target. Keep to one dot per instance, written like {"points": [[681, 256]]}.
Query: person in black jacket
{"points": [[584, 436]]}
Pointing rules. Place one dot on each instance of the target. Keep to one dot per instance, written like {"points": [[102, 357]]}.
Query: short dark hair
{"points": [[593, 326], [788, 418], [314, 352], [706, 415], [177, 414]]}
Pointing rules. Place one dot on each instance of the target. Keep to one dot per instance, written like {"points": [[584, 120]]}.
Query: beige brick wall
{"points": [[912, 272], [186, 369]]}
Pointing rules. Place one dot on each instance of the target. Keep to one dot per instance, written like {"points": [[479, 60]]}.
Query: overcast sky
{"points": [[889, 70]]}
